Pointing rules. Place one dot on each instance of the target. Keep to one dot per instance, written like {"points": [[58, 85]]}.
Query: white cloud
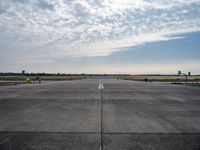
{"points": [[92, 27]]}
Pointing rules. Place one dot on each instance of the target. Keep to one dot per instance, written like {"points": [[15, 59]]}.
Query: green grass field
{"points": [[13, 80], [45, 78], [161, 78]]}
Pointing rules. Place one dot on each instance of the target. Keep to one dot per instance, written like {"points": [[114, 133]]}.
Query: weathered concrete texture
{"points": [[50, 141], [51, 108], [54, 115], [151, 141], [53, 90], [67, 115], [139, 107]]}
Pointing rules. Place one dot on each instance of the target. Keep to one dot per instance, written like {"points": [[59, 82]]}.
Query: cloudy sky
{"points": [[100, 36]]}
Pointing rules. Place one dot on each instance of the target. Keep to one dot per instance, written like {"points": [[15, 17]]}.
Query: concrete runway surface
{"points": [[99, 114]]}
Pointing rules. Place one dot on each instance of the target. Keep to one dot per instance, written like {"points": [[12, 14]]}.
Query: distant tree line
{"points": [[55, 74]]}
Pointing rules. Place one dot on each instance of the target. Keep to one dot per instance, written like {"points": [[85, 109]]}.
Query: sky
{"points": [[100, 36]]}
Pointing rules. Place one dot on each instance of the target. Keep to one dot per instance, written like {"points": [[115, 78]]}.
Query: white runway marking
{"points": [[100, 86]]}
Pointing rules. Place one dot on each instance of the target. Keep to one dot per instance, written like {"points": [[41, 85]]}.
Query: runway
{"points": [[94, 114]]}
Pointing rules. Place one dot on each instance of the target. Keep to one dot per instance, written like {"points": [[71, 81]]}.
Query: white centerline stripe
{"points": [[100, 86]]}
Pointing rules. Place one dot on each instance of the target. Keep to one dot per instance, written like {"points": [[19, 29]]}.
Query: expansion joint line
{"points": [[101, 87], [101, 128]]}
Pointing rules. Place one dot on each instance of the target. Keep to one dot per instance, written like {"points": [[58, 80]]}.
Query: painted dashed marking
{"points": [[100, 86]]}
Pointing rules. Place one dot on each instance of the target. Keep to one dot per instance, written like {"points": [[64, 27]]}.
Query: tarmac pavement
{"points": [[79, 115]]}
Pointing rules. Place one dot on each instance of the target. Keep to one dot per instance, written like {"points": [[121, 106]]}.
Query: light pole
{"points": [[186, 76]]}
